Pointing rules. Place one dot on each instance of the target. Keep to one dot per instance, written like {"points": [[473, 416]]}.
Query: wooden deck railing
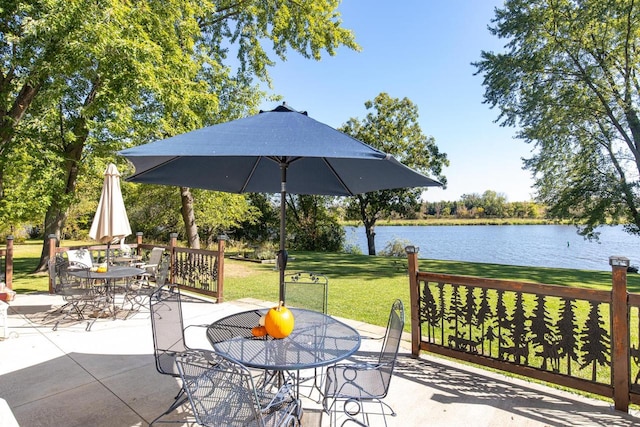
{"points": [[574, 337], [7, 263], [197, 270]]}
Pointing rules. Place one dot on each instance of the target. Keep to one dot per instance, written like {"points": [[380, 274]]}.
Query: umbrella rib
{"points": [[253, 169], [344, 185], [151, 169]]}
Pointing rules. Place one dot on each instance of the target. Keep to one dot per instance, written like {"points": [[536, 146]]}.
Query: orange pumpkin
{"points": [[259, 331], [279, 321]]}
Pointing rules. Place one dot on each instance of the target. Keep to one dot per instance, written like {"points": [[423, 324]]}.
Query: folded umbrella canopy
{"points": [[282, 150], [110, 223]]}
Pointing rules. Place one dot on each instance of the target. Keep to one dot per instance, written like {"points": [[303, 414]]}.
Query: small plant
{"points": [[265, 251], [395, 248], [352, 249]]}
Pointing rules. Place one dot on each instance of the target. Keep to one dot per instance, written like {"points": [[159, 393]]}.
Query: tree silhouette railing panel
{"points": [[564, 335], [577, 337]]}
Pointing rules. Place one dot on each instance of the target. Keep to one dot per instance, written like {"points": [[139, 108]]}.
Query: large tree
{"points": [[89, 77], [568, 79], [392, 126]]}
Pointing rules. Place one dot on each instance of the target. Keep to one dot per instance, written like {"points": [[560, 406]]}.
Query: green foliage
{"points": [[392, 126], [395, 248], [154, 210], [266, 227], [80, 80], [311, 226], [568, 80]]}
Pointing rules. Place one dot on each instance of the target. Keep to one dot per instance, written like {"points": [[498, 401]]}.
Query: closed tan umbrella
{"points": [[111, 223]]}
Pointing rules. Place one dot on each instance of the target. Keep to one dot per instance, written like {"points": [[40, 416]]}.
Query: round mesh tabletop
{"points": [[317, 340]]}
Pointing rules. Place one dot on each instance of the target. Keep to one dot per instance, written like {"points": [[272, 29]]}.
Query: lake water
{"points": [[529, 245]]}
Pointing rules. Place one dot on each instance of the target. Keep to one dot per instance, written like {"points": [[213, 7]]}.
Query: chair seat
{"points": [[355, 384], [222, 393], [365, 381]]}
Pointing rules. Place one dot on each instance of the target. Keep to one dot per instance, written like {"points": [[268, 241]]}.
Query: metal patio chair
{"points": [[151, 265], [308, 290], [80, 256], [222, 393], [138, 292], [354, 384], [168, 331], [82, 297]]}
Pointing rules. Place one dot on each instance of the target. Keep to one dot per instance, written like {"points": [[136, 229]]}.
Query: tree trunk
{"points": [[371, 238], [369, 224], [189, 218], [57, 212]]}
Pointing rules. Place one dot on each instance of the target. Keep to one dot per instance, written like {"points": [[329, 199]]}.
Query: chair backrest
{"points": [[306, 290], [163, 272], [155, 257], [391, 343], [67, 284], [221, 392], [82, 256], [167, 328]]}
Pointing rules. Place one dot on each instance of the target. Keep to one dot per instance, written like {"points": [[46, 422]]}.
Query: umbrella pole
{"points": [[282, 254]]}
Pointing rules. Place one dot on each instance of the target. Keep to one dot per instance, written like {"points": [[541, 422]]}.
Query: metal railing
{"points": [[574, 337], [198, 270]]}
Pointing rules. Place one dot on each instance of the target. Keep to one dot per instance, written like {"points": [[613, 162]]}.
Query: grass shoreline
{"points": [[361, 287], [459, 221]]}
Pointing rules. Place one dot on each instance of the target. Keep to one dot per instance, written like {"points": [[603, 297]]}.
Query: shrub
{"points": [[395, 248]]}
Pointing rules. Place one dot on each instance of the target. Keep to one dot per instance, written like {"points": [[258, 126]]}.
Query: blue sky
{"points": [[422, 50]]}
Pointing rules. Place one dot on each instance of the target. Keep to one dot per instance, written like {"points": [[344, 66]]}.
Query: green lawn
{"points": [[360, 287]]}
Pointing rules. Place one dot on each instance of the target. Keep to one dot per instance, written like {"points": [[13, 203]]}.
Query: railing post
{"points": [[221, 244], [173, 242], [414, 293], [620, 333], [53, 243], [138, 242], [8, 263]]}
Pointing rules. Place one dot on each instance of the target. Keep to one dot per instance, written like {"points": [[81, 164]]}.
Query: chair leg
{"points": [[354, 413], [179, 400]]}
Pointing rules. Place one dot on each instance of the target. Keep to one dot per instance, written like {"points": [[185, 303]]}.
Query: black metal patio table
{"points": [[317, 340], [113, 273]]}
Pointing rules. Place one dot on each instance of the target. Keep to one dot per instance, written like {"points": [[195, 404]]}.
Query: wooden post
{"points": [[139, 242], [414, 293], [220, 288], [173, 242], [8, 263], [53, 243], [619, 333]]}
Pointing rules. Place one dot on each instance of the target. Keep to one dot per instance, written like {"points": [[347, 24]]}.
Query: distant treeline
{"points": [[488, 205]]}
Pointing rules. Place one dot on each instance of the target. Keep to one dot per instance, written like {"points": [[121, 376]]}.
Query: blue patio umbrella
{"points": [[282, 150]]}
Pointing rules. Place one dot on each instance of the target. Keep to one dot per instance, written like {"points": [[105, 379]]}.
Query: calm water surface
{"points": [[534, 245]]}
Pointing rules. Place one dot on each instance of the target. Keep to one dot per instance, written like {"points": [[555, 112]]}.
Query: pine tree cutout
{"points": [[470, 308], [456, 313], [543, 334], [517, 332], [442, 313], [428, 311], [503, 321], [484, 316], [596, 343], [567, 329]]}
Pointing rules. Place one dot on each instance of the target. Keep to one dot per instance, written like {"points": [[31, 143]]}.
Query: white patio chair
{"points": [[80, 256]]}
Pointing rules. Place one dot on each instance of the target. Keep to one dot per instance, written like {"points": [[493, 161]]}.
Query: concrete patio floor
{"points": [[107, 377]]}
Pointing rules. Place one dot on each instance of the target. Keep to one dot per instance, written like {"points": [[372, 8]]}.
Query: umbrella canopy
{"points": [[282, 150], [110, 223]]}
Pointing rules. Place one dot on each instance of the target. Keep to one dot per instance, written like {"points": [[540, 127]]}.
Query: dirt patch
{"points": [[236, 269]]}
